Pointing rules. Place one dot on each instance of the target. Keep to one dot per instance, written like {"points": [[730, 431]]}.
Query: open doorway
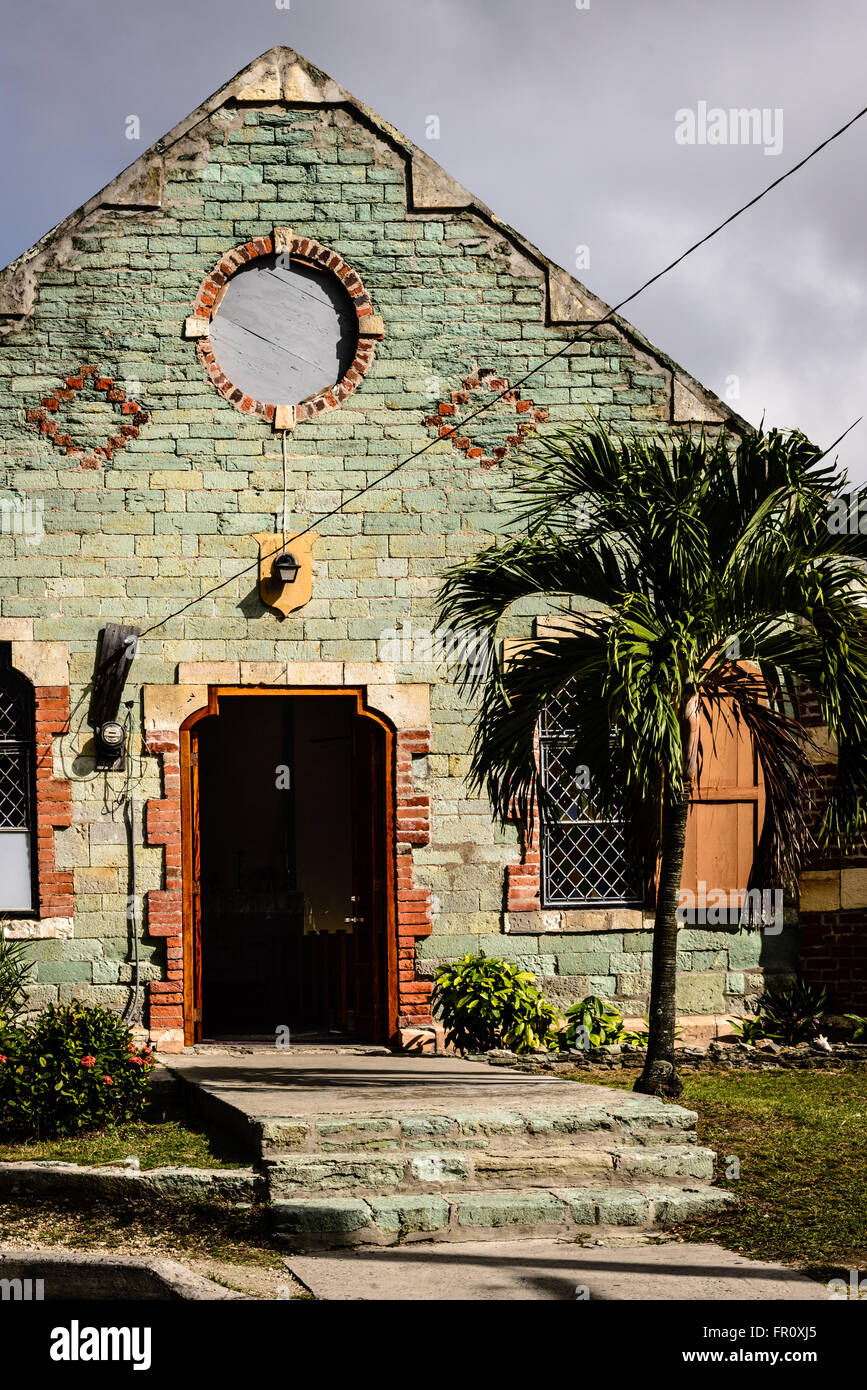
{"points": [[289, 904]]}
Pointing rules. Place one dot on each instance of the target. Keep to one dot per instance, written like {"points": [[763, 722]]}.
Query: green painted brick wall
{"points": [[173, 513]]}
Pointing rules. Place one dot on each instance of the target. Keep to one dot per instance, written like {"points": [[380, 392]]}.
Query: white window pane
{"points": [[16, 881]]}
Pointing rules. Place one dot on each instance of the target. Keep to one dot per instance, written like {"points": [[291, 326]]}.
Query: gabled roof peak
{"points": [[281, 76]]}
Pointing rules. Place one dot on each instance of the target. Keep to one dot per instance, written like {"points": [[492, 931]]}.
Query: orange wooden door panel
{"points": [[727, 810]]}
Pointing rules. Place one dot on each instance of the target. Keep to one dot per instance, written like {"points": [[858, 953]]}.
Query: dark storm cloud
{"points": [[561, 119]]}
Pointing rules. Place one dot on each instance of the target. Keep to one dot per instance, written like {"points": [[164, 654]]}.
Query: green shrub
{"points": [[15, 972], [74, 1068], [859, 1027], [594, 1023], [790, 1013], [485, 1003]]}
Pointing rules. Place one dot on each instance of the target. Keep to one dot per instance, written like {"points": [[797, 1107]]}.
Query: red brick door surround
{"points": [[171, 909]]}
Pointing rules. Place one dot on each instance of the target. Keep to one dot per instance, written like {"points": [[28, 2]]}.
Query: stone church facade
{"points": [[147, 491]]}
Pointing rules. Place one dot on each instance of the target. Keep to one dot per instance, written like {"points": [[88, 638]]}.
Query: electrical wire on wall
{"points": [[285, 490], [132, 1007]]}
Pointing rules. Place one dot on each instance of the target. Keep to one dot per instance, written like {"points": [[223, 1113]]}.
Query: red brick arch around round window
{"points": [[313, 255]]}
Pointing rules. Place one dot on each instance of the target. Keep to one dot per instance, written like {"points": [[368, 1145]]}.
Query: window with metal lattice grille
{"points": [[17, 846], [587, 860]]}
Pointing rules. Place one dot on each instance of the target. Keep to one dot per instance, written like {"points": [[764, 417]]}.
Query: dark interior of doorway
{"points": [[287, 804]]}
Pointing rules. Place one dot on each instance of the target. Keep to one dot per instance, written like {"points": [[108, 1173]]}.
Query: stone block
{"points": [[701, 993], [209, 673], [745, 949], [57, 972], [820, 890], [283, 1134], [622, 963], [497, 1209], [96, 880], [43, 663], [603, 985], [71, 847], [439, 1168], [853, 888], [334, 1172], [408, 1215], [332, 1216], [700, 939], [671, 1205], [667, 1161], [575, 963], [415, 1126], [605, 1207], [443, 947]]}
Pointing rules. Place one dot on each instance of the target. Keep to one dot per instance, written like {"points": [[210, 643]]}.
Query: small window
{"points": [[586, 860], [283, 330], [17, 800]]}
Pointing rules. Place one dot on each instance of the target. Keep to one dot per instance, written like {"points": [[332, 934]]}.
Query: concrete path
{"points": [[307, 1083], [549, 1269]]}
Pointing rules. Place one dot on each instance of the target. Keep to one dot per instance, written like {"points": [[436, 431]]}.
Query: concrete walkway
{"points": [[275, 1083], [549, 1269]]}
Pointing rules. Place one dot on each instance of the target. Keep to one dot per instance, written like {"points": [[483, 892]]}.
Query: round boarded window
{"points": [[283, 330]]}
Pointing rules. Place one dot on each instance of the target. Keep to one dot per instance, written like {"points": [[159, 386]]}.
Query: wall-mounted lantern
{"points": [[286, 569]]}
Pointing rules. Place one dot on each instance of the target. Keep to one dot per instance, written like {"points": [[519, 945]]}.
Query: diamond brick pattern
{"points": [[89, 381], [486, 444]]}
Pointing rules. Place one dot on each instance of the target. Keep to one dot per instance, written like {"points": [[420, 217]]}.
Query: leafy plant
{"points": [[750, 1030], [15, 973], [594, 1023], [73, 1069], [484, 1003], [859, 1026], [641, 1037], [789, 1013]]}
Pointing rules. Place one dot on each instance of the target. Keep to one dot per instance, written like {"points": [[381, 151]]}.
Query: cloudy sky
{"points": [[562, 119]]}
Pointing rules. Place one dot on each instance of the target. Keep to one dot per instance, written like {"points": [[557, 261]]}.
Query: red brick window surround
{"points": [[53, 802], [318, 257]]}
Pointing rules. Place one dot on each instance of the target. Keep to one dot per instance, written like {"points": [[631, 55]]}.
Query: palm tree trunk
{"points": [[660, 1076]]}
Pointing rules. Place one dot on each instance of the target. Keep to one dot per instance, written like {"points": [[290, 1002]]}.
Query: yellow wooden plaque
{"points": [[285, 598]]}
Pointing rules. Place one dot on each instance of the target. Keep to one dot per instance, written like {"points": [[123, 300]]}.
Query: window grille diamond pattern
{"points": [[586, 861], [13, 712], [14, 780]]}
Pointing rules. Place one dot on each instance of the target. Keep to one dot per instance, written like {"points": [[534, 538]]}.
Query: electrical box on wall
{"points": [[117, 649]]}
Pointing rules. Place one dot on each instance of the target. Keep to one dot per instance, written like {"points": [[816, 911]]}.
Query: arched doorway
{"points": [[288, 868]]}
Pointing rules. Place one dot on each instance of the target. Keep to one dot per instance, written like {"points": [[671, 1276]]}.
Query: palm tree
{"points": [[712, 586]]}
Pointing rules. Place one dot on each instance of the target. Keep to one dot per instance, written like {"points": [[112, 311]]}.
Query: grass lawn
{"points": [[166, 1136], [800, 1139], [192, 1230]]}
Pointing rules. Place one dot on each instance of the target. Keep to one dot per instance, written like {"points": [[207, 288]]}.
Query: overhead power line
{"points": [[552, 357]]}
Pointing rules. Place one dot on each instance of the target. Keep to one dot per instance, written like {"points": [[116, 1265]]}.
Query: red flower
{"points": [[88, 1061], [3, 1057], [139, 1061], [108, 1081]]}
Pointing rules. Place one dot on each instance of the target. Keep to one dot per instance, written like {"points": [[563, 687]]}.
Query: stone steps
{"points": [[316, 1222], [391, 1173], [627, 1121], [454, 1174], [377, 1150]]}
